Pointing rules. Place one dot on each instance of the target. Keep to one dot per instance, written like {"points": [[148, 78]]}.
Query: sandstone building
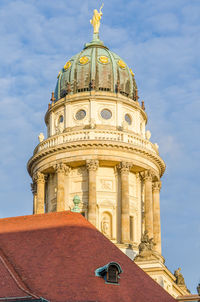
{"points": [[98, 148]]}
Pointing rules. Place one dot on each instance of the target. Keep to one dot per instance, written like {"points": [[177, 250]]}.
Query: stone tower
{"points": [[97, 147]]}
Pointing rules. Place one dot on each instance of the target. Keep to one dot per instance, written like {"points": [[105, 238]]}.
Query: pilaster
{"points": [[148, 202], [92, 166], [124, 168], [156, 216], [39, 179], [34, 191], [60, 173]]}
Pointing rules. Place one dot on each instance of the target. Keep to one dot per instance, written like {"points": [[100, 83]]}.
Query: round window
{"points": [[106, 114], [80, 114], [128, 119], [61, 119]]}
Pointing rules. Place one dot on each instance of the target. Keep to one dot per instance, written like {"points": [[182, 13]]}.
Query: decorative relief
{"points": [[121, 64], [62, 168], [84, 60], [103, 59], [106, 224], [157, 186], [92, 164], [179, 277], [147, 175], [106, 185], [67, 65], [124, 167], [59, 122], [39, 177]]}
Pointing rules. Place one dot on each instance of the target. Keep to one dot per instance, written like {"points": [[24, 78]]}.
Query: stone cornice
{"points": [[83, 145]]}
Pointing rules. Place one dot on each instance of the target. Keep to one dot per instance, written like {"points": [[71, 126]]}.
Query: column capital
{"points": [[92, 164], [62, 168], [147, 175], [39, 177], [156, 186], [124, 167]]}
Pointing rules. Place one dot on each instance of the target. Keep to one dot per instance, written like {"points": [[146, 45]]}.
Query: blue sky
{"points": [[160, 41]]}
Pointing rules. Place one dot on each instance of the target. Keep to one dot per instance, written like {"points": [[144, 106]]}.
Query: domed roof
{"points": [[96, 68]]}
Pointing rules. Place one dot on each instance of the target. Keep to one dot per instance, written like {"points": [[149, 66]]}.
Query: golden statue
{"points": [[96, 20]]}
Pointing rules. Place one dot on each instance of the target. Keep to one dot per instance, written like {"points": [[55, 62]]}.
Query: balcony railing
{"points": [[100, 135]]}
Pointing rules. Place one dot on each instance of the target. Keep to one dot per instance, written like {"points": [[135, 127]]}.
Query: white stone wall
{"points": [[93, 108]]}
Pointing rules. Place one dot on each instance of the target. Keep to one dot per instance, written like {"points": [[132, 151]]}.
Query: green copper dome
{"points": [[96, 68]]}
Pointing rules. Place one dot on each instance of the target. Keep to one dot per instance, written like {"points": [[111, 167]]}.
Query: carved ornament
{"points": [[39, 177], [124, 167], [179, 277], [147, 175], [62, 168], [92, 164], [157, 186]]}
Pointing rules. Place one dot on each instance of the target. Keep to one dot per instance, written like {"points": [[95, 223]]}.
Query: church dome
{"points": [[96, 68]]}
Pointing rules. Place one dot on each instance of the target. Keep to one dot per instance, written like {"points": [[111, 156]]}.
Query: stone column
{"points": [[34, 191], [60, 173], [124, 168], [67, 188], [39, 178], [156, 216], [92, 166], [148, 202]]}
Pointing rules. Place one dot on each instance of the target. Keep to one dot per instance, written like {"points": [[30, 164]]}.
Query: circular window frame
{"points": [[129, 117], [106, 109], [75, 115]]}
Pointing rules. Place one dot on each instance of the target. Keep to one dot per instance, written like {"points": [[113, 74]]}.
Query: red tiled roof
{"points": [[56, 255]]}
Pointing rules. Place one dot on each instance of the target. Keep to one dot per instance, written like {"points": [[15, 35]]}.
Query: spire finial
{"points": [[96, 20]]}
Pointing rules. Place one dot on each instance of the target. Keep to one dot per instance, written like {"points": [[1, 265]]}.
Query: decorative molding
{"points": [[71, 146], [39, 177], [156, 186], [62, 168], [124, 167], [147, 175], [92, 164]]}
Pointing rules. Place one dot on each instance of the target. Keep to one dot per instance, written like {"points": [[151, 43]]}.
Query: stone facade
{"points": [[98, 148]]}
